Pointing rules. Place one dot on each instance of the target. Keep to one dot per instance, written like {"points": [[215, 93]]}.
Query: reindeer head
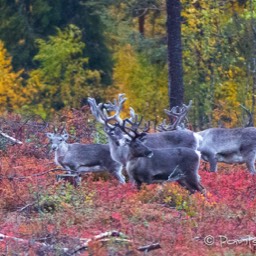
{"points": [[57, 139], [124, 133], [134, 139]]}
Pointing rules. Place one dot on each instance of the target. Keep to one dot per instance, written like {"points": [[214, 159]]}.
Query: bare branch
{"points": [[29, 176], [20, 240], [10, 138], [99, 237], [25, 207], [150, 247]]}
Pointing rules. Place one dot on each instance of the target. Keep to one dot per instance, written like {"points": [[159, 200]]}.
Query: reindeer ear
{"points": [[143, 137], [106, 129], [124, 141], [64, 131], [65, 136], [49, 135]]}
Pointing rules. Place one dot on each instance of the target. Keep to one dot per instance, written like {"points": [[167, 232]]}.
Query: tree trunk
{"points": [[253, 28], [141, 24], [175, 69]]}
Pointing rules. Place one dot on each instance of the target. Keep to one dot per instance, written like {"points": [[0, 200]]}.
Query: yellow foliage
{"points": [[11, 90], [34, 86], [209, 62], [144, 83], [225, 113]]}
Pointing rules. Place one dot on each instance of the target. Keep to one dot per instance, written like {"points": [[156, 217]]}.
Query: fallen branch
{"points": [[25, 207], [10, 138], [30, 242], [104, 237], [32, 175], [101, 237], [150, 247], [42, 173]]}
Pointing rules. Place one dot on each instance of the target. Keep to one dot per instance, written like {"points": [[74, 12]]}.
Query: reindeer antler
{"points": [[178, 114], [101, 110], [130, 126], [250, 116], [117, 107]]}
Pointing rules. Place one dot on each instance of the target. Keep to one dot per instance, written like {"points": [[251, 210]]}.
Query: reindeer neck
{"points": [[60, 153], [62, 149], [118, 153], [112, 145]]}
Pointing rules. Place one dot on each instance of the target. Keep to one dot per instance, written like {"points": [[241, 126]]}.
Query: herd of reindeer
{"points": [[172, 154]]}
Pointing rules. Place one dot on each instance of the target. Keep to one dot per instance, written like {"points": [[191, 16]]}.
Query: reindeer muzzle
{"points": [[54, 147], [150, 154]]}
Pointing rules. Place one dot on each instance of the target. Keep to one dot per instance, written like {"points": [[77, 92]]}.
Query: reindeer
{"points": [[148, 165], [128, 148], [169, 137], [82, 158], [229, 145]]}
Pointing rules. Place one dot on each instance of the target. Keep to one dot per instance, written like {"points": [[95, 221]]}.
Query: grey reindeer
{"points": [[82, 158], [127, 148], [166, 139], [229, 145], [171, 135], [148, 165]]}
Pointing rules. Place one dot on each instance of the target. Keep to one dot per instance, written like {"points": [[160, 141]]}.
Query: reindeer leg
{"points": [[192, 186], [186, 185], [199, 187], [202, 189], [250, 166], [194, 182], [210, 157], [118, 174], [250, 160]]}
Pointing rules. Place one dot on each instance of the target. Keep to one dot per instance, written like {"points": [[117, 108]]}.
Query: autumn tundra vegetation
{"points": [[160, 169], [43, 216]]}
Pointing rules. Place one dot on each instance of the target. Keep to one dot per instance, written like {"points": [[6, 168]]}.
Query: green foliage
{"points": [[64, 61], [99, 135], [63, 77], [58, 51], [61, 196], [23, 22]]}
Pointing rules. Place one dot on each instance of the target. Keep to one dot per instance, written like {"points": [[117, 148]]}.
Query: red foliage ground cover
{"points": [[38, 209], [40, 216]]}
